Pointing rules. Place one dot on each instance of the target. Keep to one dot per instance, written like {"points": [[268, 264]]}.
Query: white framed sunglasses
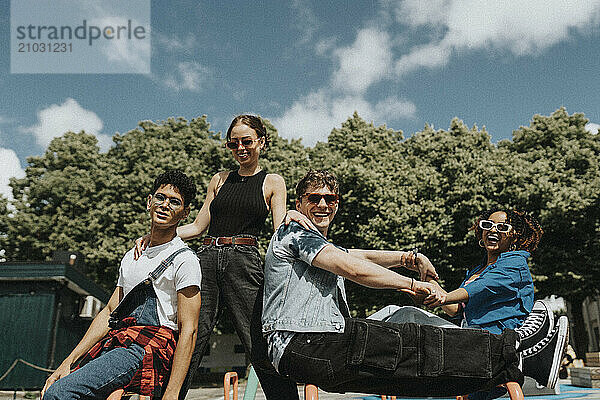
{"points": [[501, 227]]}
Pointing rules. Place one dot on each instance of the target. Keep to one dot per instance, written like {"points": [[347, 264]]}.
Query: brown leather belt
{"points": [[228, 241]]}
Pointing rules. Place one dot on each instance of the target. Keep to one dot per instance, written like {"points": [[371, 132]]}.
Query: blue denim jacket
{"points": [[298, 296], [502, 296]]}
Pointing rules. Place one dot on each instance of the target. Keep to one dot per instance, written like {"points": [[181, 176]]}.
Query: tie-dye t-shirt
{"points": [[299, 297]]}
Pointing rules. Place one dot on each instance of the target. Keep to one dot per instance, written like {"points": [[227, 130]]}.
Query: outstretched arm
{"points": [[450, 305], [389, 259], [188, 310], [367, 273], [97, 330]]}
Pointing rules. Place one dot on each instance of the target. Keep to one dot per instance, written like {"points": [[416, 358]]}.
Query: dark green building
{"points": [[43, 315]]}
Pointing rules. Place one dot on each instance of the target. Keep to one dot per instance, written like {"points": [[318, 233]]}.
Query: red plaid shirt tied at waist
{"points": [[159, 343]]}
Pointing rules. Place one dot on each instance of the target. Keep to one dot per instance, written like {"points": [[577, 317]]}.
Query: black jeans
{"points": [[234, 276], [402, 359]]}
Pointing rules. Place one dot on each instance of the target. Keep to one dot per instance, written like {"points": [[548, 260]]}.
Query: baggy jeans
{"points": [[233, 276], [406, 359], [114, 368]]}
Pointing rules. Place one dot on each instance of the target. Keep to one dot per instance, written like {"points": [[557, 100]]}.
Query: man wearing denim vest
{"points": [[145, 335], [312, 339]]}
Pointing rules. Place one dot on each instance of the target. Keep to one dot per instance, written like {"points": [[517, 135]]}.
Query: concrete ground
{"points": [[566, 392]]}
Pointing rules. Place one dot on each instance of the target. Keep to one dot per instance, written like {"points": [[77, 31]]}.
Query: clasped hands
{"points": [[427, 290]]}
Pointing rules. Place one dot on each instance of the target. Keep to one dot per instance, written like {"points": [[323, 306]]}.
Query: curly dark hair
{"points": [[527, 229], [317, 178], [180, 181], [251, 121]]}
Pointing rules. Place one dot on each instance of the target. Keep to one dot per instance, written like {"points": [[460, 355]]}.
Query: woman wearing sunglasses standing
{"points": [[236, 206]]}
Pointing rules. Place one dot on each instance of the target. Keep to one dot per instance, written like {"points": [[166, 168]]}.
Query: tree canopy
{"points": [[423, 191]]}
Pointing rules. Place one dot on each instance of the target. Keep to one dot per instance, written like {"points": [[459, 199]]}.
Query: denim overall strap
{"points": [[138, 307], [165, 263]]}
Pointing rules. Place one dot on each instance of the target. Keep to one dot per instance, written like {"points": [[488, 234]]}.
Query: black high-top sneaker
{"points": [[536, 326], [542, 360]]}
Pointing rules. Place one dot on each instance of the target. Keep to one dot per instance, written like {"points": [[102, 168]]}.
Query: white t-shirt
{"points": [[183, 272]]}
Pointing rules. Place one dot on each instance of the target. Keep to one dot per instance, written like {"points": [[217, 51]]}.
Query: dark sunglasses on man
{"points": [[501, 227], [315, 198]]}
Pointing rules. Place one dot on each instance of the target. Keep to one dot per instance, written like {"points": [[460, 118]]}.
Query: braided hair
{"points": [[527, 229]]}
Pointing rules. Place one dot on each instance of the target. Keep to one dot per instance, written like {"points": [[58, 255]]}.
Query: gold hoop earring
{"points": [[481, 244]]}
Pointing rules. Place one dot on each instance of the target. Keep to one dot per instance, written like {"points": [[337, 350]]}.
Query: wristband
{"points": [[415, 252]]}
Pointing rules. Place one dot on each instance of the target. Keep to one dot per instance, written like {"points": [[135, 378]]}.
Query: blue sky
{"points": [[308, 65]]}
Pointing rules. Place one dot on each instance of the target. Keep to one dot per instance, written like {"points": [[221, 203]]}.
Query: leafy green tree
{"points": [[557, 174], [136, 159], [288, 158], [75, 198], [53, 202], [424, 191], [3, 223]]}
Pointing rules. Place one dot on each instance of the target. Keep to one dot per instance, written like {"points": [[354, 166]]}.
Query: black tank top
{"points": [[239, 207]]}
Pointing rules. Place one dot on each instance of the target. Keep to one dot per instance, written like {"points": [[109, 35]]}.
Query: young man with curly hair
{"points": [[145, 335]]}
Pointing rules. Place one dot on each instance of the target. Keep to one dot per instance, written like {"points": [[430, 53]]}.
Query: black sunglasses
{"points": [[315, 198], [233, 144]]}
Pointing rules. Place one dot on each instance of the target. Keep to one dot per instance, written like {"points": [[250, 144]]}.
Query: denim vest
{"points": [[298, 296]]}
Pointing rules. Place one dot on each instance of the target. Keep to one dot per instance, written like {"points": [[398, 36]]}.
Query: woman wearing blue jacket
{"points": [[498, 293]]}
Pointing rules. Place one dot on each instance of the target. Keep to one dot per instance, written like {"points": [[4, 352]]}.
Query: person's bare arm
{"points": [[450, 304], [188, 310], [277, 197], [194, 229], [97, 330], [368, 273], [200, 224], [450, 309], [390, 259]]}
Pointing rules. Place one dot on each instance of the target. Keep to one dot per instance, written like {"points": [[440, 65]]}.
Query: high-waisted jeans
{"points": [[405, 359], [233, 276]]}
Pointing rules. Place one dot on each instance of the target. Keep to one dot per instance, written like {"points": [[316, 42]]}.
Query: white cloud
{"points": [[126, 55], [188, 75], [57, 119], [324, 46], [132, 54], [438, 29], [314, 116], [10, 167], [366, 61], [307, 22], [592, 128], [173, 43], [520, 27], [418, 12]]}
